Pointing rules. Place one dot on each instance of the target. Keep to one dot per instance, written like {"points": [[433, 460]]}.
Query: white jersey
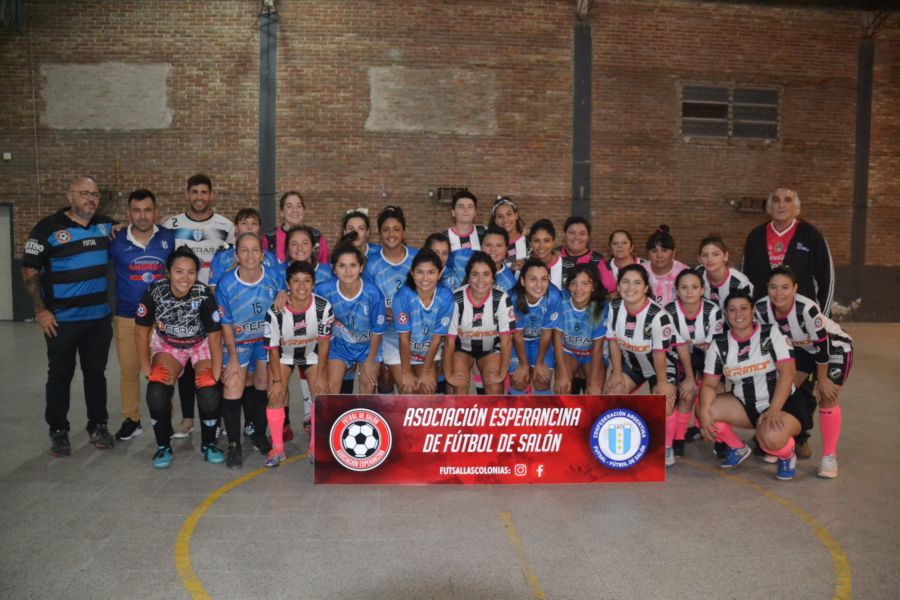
{"points": [[734, 281], [750, 364], [477, 327], [698, 328], [471, 240], [807, 328], [640, 334], [205, 237], [297, 335]]}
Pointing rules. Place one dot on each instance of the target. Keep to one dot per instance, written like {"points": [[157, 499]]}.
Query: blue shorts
{"points": [[350, 354], [583, 358], [248, 354], [531, 352]]}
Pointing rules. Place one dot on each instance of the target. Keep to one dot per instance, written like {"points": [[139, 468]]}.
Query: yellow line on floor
{"points": [[530, 577], [183, 543], [839, 562]]}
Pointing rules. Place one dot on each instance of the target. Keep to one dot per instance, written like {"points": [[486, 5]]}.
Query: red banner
{"points": [[396, 439]]}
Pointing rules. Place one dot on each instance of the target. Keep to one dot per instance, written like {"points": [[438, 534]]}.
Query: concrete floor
{"points": [[103, 524]]}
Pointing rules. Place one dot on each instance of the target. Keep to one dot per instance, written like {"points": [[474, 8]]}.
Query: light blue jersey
{"points": [[422, 322], [579, 329], [225, 261], [244, 305], [540, 316], [505, 279], [455, 269], [388, 276], [356, 319]]}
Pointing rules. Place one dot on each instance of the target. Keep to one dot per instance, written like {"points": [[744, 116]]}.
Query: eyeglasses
{"points": [[86, 195]]}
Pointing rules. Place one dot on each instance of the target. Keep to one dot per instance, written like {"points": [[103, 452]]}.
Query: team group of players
{"points": [[510, 309]]}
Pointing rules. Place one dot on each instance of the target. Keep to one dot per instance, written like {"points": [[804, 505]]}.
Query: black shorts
{"points": [[477, 354], [800, 405], [638, 378], [698, 358], [839, 364]]}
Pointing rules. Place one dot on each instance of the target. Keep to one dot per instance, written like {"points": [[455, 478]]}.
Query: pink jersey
{"points": [[662, 287], [609, 273]]}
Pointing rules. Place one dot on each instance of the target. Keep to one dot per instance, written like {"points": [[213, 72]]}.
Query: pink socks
{"points": [[670, 429], [784, 453], [830, 422], [682, 420], [726, 434], [276, 426]]}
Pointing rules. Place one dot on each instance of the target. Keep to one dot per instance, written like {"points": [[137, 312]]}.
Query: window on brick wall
{"points": [[729, 112]]}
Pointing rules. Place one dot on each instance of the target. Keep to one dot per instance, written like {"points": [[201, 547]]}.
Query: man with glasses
{"points": [[64, 270]]}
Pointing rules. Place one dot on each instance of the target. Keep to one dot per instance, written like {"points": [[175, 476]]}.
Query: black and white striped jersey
{"points": [[297, 335], [477, 328], [750, 364], [640, 334], [698, 328], [471, 240], [734, 281], [569, 262], [806, 328], [517, 249]]}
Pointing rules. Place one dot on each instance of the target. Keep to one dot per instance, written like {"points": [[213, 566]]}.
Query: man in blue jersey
{"points": [[64, 271], [139, 256]]}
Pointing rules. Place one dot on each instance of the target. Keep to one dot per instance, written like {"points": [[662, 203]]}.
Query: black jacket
{"points": [[807, 254]]}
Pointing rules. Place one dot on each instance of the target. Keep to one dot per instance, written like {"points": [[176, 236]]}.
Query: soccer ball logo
{"points": [[360, 439]]}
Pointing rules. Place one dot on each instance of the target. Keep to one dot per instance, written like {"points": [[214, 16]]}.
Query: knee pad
{"points": [[208, 399], [159, 397], [203, 378], [159, 374]]}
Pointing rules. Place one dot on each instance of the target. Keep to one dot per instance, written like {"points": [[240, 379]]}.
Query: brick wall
{"points": [[501, 73]]}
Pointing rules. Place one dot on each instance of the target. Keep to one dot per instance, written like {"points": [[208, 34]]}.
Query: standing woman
{"points": [[719, 280], [293, 208], [542, 238], [821, 348], [357, 223], [359, 320], [388, 270], [244, 295], [663, 268], [579, 334], [296, 337], [536, 303], [759, 362], [480, 330], [178, 321], [423, 309], [696, 321], [621, 248], [640, 334], [577, 247], [505, 214]]}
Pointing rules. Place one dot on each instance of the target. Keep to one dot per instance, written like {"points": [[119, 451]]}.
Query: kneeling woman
{"points": [[580, 332], [296, 337], [640, 335], [178, 321], [759, 362], [536, 302], [479, 329], [820, 347], [422, 311]]}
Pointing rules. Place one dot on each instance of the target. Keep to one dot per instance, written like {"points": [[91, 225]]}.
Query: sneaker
{"points": [[249, 430], [60, 445], [828, 468], [678, 447], [163, 458], [692, 434], [770, 458], [220, 430], [261, 443], [670, 457], [802, 449], [720, 449], [185, 429], [235, 459], [735, 457], [212, 454], [786, 468], [307, 425], [128, 430], [287, 432], [101, 437], [276, 455]]}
